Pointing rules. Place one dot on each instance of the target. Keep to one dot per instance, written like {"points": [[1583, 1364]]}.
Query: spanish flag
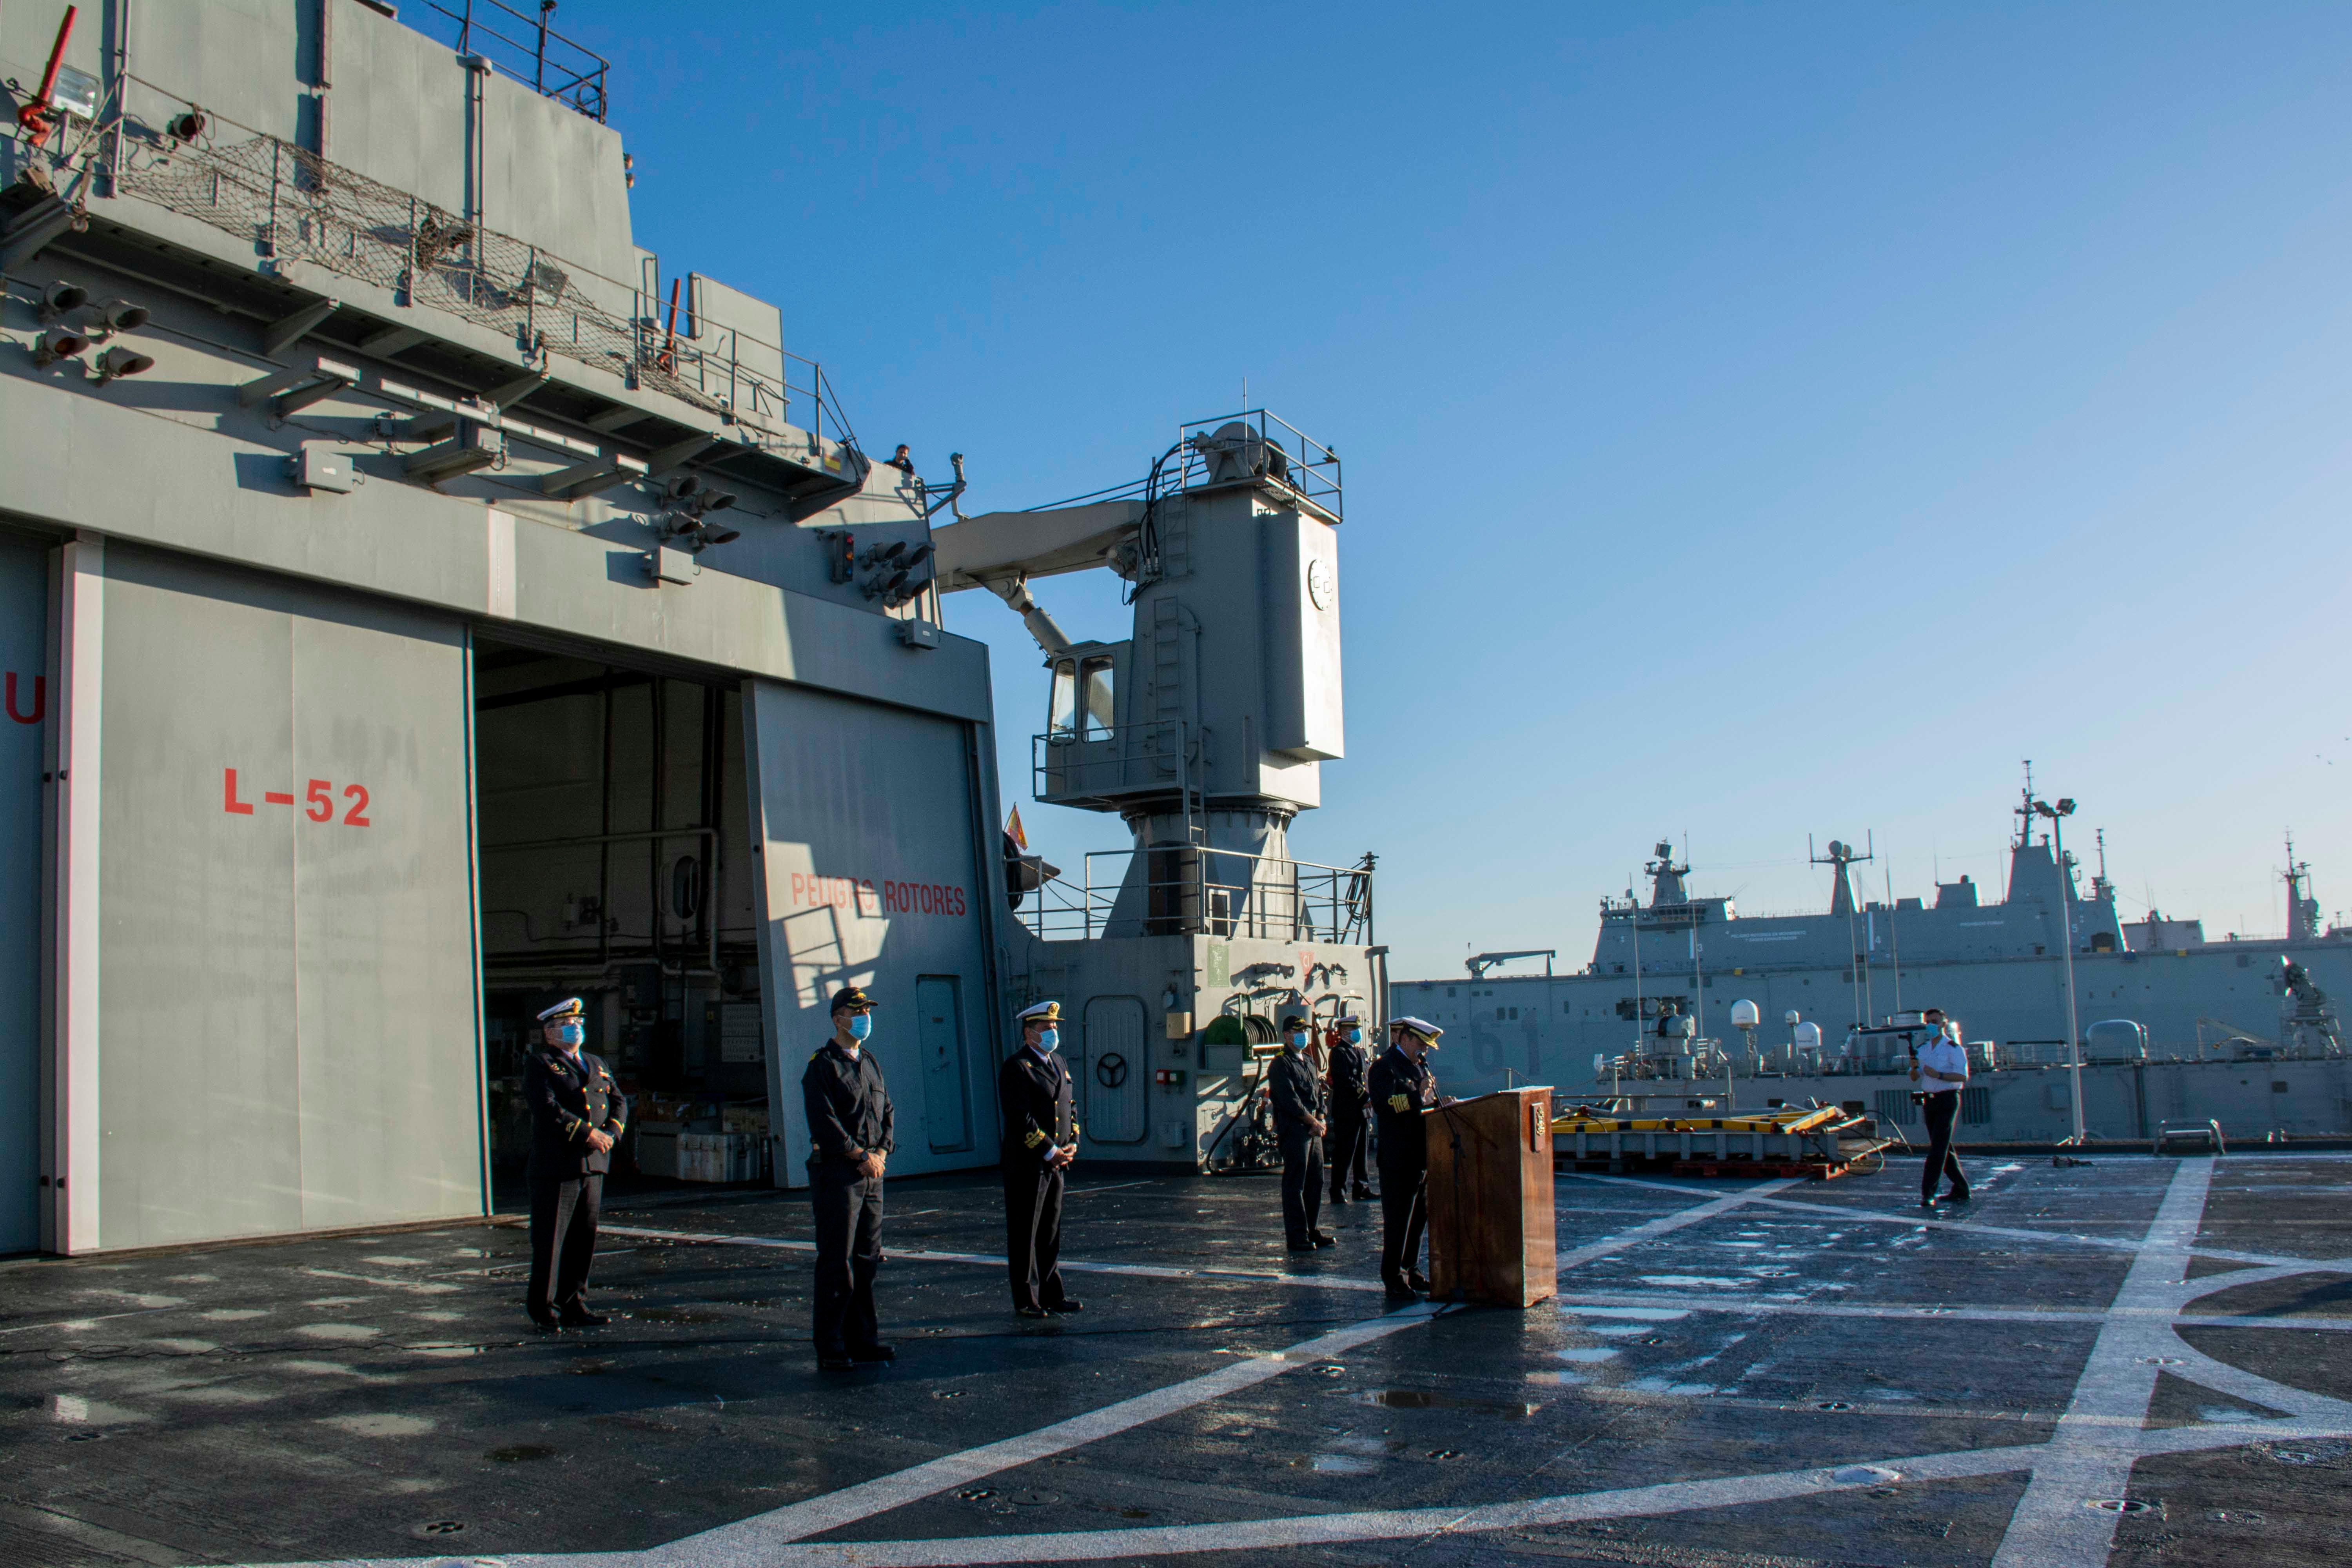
{"points": [[1013, 830]]}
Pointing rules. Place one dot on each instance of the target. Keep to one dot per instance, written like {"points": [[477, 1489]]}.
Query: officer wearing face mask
{"points": [[1403, 1088], [850, 1139], [576, 1116], [1041, 1138], [1346, 1065], [1300, 1119]]}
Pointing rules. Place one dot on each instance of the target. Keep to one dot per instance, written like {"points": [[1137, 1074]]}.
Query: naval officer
{"points": [[1041, 1138], [1301, 1117], [850, 1139], [1402, 1087], [1940, 1069], [1346, 1066], [576, 1116]]}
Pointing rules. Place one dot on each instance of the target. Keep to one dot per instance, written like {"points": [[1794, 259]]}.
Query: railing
{"points": [[558, 67], [1306, 466], [1279, 451], [1104, 761], [291, 203], [1196, 890]]}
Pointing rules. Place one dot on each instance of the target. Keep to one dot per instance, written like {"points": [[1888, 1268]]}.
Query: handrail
{"points": [[288, 201], [581, 70], [1272, 897]]}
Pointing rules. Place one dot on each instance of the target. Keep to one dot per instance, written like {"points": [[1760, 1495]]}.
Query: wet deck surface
{"points": [[1765, 1373]]}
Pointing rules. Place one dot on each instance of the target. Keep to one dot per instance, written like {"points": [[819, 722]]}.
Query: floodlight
{"points": [[56, 344], [118, 315], [59, 298], [116, 363]]}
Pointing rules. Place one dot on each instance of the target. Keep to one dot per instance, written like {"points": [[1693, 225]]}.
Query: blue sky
{"points": [[1757, 420]]}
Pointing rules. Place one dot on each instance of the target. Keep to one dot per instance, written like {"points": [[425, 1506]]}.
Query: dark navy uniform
{"points": [[569, 1093], [1299, 1108], [1402, 1088], [1343, 1146], [1034, 1090], [849, 1116]]}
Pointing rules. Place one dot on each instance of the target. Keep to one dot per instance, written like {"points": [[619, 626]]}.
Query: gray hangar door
{"points": [[288, 1002], [23, 659], [870, 875]]}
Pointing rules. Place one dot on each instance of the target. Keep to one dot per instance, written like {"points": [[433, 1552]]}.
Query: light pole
{"points": [[2057, 815]]}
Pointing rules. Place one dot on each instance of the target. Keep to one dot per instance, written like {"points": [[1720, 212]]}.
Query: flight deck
{"points": [[2128, 1361]]}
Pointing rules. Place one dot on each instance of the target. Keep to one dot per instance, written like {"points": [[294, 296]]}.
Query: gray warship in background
{"points": [[1684, 998]]}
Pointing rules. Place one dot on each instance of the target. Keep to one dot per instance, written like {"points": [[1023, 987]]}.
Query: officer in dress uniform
{"points": [[1301, 1117], [1040, 1141], [576, 1116], [1402, 1087], [850, 1139], [1347, 1063]]}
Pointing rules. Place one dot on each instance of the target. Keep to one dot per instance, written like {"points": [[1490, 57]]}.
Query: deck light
{"points": [[113, 316], [56, 344], [59, 298], [117, 362]]}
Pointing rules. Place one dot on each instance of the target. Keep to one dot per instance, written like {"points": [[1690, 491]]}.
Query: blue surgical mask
{"points": [[1355, 1037], [860, 1025], [1297, 1041], [1048, 1039], [571, 1034]]}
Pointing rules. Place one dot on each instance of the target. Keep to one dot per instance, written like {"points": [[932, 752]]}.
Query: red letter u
{"points": [[40, 699]]}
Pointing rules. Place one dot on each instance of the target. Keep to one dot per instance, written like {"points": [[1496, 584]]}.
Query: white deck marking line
{"points": [[1929, 1312], [1914, 1217], [1674, 1221], [2086, 1460], [830, 1511], [1329, 1529], [1073, 1265], [1114, 1187], [755, 1539]]}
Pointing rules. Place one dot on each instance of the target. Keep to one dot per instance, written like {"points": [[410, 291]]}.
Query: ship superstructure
{"points": [[2173, 1025], [423, 602]]}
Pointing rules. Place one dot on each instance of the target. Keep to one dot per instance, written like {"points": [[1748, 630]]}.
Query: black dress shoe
{"points": [[873, 1353], [1323, 1240], [1417, 1279], [546, 1325], [1957, 1195], [1030, 1311], [584, 1319], [835, 1361], [1298, 1245], [1338, 1200], [1065, 1305], [1364, 1192], [1398, 1290]]}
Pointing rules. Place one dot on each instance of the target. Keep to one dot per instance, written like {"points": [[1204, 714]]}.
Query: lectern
{"points": [[1490, 1214]]}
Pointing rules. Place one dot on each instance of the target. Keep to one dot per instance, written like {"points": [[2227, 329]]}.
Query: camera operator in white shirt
{"points": [[1940, 1069]]}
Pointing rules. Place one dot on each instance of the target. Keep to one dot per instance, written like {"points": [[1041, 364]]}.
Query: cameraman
{"points": [[1940, 1069]]}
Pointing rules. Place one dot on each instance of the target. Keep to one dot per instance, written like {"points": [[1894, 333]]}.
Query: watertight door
{"points": [[946, 1097], [1111, 1081], [23, 629]]}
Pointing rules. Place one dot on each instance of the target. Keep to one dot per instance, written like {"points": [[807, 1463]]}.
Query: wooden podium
{"points": [[1490, 1211]]}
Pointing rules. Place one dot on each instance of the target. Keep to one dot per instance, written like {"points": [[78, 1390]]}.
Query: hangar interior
{"points": [[616, 865]]}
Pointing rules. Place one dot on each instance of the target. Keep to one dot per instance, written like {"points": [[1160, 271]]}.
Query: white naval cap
{"points": [[1045, 1012], [1420, 1026], [569, 1007]]}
